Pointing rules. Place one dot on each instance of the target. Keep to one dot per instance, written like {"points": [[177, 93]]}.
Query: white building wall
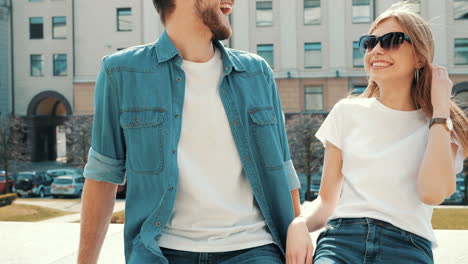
{"points": [[27, 86]]}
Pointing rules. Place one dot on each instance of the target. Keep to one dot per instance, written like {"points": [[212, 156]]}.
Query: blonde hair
{"points": [[423, 47]]}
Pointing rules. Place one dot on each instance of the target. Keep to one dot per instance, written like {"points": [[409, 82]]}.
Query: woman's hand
{"points": [[299, 247], [441, 92]]}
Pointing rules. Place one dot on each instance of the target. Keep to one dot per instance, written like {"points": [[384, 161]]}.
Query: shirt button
{"points": [[176, 116], [173, 151], [177, 58], [158, 224], [179, 79], [235, 123], [171, 188]]}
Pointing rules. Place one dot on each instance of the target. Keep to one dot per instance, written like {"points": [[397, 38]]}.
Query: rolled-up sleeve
{"points": [[290, 171], [294, 182], [102, 168], [106, 158]]}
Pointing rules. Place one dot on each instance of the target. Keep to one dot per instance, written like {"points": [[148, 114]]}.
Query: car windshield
{"points": [[23, 176], [63, 181]]}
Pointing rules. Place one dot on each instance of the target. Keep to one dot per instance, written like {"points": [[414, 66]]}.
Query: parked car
{"points": [[11, 181], [458, 196], [64, 171], [455, 199], [32, 184], [69, 185]]}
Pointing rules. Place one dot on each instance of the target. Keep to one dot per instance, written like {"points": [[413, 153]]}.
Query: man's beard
{"points": [[211, 20]]}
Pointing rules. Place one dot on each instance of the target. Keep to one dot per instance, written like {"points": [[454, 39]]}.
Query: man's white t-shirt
{"points": [[215, 210], [382, 152]]}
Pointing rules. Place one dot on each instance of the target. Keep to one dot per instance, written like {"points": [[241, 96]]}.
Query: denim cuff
{"points": [[102, 168], [293, 179]]}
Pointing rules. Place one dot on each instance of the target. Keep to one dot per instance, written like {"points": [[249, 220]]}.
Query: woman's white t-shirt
{"points": [[382, 152]]}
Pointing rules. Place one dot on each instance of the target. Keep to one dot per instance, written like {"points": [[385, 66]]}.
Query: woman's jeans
{"points": [[268, 254], [366, 241]]}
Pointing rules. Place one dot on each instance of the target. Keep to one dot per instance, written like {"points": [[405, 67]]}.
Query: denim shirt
{"points": [[139, 99]]}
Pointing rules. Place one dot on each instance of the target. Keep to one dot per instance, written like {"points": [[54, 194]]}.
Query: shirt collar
{"points": [[166, 50]]}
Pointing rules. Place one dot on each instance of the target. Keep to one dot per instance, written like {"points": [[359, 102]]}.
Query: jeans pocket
{"points": [[422, 245]]}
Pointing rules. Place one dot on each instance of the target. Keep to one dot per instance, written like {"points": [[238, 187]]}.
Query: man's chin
{"points": [[222, 34]]}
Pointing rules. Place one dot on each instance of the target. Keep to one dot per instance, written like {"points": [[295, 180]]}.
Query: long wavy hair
{"points": [[423, 47]]}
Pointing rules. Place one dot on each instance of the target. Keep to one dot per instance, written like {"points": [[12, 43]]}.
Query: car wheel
{"points": [[42, 193]]}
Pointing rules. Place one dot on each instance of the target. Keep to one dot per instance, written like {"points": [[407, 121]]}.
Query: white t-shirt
{"points": [[215, 210], [382, 152]]}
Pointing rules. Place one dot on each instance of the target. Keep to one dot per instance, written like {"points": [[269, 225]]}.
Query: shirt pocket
{"points": [[264, 128], [144, 138]]}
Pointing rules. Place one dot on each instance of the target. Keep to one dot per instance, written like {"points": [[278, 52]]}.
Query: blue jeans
{"points": [[369, 241], [267, 254]]}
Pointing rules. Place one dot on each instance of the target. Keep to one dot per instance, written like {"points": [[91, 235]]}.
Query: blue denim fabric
{"points": [[267, 254], [370, 241], [139, 99]]}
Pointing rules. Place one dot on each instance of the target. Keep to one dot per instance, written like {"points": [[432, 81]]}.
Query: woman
{"points": [[390, 155]]}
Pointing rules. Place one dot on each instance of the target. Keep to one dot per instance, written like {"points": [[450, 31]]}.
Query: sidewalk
{"points": [[57, 243]]}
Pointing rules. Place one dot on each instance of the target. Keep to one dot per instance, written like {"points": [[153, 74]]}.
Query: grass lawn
{"points": [[450, 218], [118, 217], [29, 213]]}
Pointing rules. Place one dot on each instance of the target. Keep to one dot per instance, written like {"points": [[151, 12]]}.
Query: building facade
{"points": [[310, 44], [5, 58]]}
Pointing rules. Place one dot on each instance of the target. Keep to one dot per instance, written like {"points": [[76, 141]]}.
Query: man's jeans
{"points": [[369, 241], [268, 254]]}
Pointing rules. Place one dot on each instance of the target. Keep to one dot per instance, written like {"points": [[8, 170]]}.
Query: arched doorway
{"points": [[47, 112], [460, 91]]}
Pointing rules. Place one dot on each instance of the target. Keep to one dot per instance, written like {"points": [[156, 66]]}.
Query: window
{"points": [[461, 51], [266, 51], [460, 9], [312, 55], [264, 13], [36, 28], [361, 11], [37, 64], [60, 64], [124, 21], [59, 27], [311, 12], [313, 98], [358, 57], [358, 89]]}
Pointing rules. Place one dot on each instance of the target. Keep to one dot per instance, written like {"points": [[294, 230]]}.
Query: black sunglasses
{"points": [[391, 40]]}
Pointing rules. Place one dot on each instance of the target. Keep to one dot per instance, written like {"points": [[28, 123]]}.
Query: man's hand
{"points": [[299, 247]]}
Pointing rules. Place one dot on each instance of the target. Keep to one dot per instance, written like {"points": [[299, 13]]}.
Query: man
{"points": [[199, 133]]}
